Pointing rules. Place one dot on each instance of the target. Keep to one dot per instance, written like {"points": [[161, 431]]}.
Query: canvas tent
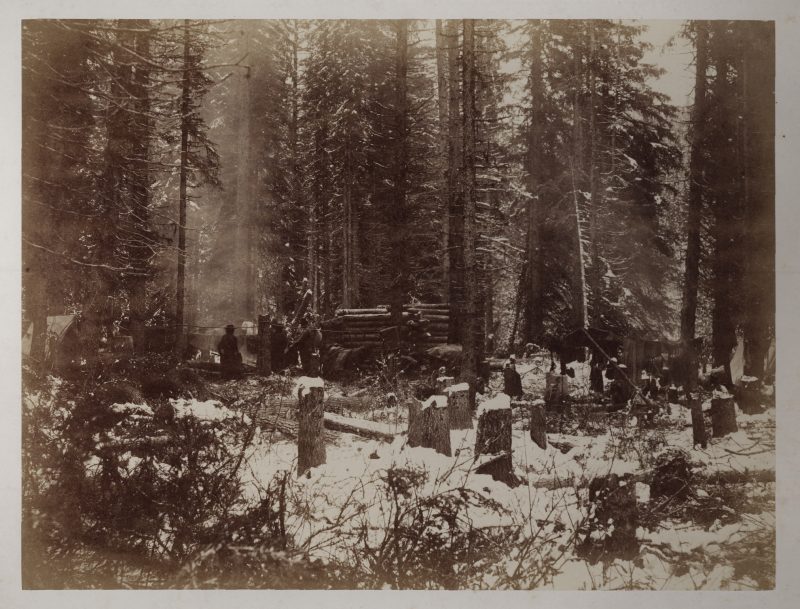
{"points": [[61, 336]]}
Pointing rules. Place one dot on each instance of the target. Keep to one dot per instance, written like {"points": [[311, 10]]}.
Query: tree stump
{"points": [[494, 426], [723, 416], [613, 519], [310, 438], [428, 425], [750, 395], [699, 435], [673, 395], [538, 425], [459, 412], [442, 383], [494, 438], [556, 388]]}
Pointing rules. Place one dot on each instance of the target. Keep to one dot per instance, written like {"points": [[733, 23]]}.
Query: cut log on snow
{"points": [[555, 390], [613, 519], [699, 435], [723, 416], [460, 414], [428, 425], [750, 400], [310, 439], [365, 429], [538, 425]]}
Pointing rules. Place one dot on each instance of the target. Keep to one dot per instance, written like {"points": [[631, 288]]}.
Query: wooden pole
{"points": [[264, 352]]}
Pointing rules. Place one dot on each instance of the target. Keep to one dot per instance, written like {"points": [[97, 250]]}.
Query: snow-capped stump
{"points": [[442, 383], [428, 425], [612, 521], [494, 439], [538, 424], [750, 395], [458, 408], [723, 414], [494, 426], [310, 438], [699, 434]]}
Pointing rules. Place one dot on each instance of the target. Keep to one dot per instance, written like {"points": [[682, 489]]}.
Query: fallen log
{"points": [[340, 312], [436, 318], [365, 429], [374, 317], [333, 403]]}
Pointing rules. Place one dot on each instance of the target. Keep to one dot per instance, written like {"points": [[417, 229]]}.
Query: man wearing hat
{"points": [[229, 356]]}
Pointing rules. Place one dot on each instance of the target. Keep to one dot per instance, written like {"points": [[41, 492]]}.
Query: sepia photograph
{"points": [[398, 304]]}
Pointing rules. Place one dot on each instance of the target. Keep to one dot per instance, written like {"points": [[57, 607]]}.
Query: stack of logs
{"points": [[423, 324]]}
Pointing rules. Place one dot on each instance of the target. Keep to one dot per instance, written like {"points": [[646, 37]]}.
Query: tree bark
{"points": [[455, 207], [460, 414], [310, 438], [180, 344], [693, 221], [533, 318], [442, 44], [494, 438], [723, 417], [494, 432], [428, 425], [538, 426], [470, 345]]}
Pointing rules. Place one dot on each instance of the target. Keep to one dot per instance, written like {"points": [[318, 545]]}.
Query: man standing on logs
{"points": [[229, 356]]}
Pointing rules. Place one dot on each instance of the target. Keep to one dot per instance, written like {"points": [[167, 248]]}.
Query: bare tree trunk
{"points": [[694, 218], [533, 318], [455, 208], [470, 347], [594, 245], [578, 273], [442, 43], [180, 344], [310, 437], [758, 96], [398, 212]]}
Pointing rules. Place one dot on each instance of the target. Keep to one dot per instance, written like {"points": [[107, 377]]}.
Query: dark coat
{"points": [[228, 348], [512, 382]]}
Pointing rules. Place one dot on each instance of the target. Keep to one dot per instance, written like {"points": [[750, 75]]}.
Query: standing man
{"points": [[229, 356]]}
